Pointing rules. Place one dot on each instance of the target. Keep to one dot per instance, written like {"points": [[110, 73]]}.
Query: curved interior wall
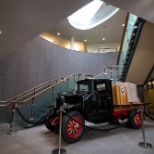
{"points": [[40, 60]]}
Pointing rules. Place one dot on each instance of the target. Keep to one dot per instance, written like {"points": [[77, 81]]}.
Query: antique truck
{"points": [[96, 101]]}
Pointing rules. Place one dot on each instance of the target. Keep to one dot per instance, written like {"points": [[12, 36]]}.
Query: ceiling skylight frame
{"points": [[91, 21]]}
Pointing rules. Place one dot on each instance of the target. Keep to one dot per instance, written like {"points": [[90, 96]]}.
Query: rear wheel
{"points": [[71, 129], [136, 121]]}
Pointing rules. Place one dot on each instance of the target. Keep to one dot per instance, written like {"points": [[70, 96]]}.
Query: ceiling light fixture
{"points": [[85, 40], [123, 25], [58, 33], [0, 32], [103, 39]]}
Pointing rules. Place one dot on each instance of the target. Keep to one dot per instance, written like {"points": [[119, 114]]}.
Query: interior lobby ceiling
{"points": [[22, 20], [140, 8], [111, 30]]}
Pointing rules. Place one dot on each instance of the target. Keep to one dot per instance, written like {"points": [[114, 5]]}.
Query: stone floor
{"points": [[38, 140]]}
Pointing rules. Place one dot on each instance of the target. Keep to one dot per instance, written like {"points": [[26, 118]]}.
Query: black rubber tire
{"points": [[135, 122], [49, 126], [114, 121], [71, 130]]}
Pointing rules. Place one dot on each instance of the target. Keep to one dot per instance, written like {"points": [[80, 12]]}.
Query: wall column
{"points": [[72, 43]]}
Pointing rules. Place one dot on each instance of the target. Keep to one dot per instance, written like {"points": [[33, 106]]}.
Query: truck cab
{"points": [[97, 103]]}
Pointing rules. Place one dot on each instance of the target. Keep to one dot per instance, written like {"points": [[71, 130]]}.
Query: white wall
{"points": [[95, 47], [78, 46]]}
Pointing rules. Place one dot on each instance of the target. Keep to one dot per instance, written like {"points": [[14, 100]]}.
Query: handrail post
{"points": [[59, 150], [67, 89], [12, 121], [75, 86], [144, 144], [32, 107], [78, 77], [53, 94], [111, 73], [117, 74]]}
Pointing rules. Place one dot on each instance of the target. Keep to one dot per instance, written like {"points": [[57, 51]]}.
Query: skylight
{"points": [[91, 15], [85, 14]]}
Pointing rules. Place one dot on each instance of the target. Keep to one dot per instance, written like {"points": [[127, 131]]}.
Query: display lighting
{"points": [[149, 85]]}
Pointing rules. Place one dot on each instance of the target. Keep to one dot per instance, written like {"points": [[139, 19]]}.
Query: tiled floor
{"points": [[38, 140]]}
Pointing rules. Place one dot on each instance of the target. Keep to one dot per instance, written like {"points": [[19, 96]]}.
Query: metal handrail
{"points": [[40, 89], [28, 90], [123, 36], [18, 96], [4, 103]]}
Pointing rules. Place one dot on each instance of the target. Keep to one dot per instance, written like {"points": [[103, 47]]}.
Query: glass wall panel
{"points": [[131, 21]]}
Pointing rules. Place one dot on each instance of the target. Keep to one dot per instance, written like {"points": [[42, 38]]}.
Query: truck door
{"points": [[103, 100]]}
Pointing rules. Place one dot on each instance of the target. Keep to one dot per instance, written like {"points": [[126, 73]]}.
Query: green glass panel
{"points": [[131, 21]]}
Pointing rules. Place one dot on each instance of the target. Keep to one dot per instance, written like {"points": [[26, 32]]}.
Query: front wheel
{"points": [[71, 129], [135, 121], [50, 126]]}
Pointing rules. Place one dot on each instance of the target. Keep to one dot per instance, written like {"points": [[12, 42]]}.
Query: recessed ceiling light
{"points": [[0, 32], [85, 40], [103, 39], [123, 25], [58, 33]]}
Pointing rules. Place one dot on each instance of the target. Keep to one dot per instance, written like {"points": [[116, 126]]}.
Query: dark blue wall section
{"points": [[40, 60]]}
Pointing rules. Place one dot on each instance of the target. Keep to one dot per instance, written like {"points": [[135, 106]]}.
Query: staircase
{"points": [[33, 104], [133, 30]]}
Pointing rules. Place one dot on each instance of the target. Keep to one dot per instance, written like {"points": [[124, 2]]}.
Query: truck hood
{"points": [[78, 97]]}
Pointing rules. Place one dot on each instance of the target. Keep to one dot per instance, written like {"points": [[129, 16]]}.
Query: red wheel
{"points": [[137, 119], [135, 122], [74, 129], [71, 129]]}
